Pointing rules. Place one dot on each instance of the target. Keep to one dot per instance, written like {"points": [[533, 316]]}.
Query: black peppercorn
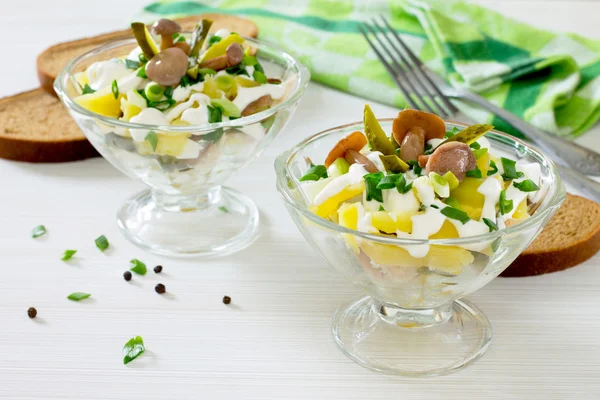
{"points": [[32, 312], [160, 288], [127, 275], [226, 300], [158, 269]]}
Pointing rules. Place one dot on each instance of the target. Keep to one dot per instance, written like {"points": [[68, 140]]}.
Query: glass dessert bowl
{"points": [[414, 320], [183, 135]]}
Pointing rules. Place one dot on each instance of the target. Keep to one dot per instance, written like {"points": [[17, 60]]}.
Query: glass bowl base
{"points": [[448, 341], [217, 223]]}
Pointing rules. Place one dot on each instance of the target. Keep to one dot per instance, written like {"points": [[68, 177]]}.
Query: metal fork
{"points": [[424, 90]]}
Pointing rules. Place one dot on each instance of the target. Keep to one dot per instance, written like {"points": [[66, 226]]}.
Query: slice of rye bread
{"points": [[571, 237], [51, 62], [36, 127]]}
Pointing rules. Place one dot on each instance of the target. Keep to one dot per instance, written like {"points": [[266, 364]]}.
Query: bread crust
{"points": [[46, 74], [539, 262]]}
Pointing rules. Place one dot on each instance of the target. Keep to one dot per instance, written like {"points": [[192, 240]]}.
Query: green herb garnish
{"points": [[491, 224], [506, 206], [142, 58], [259, 76], [168, 92], [314, 173], [453, 202], [115, 89], [131, 64], [381, 208], [371, 182], [152, 138], [389, 181], [181, 39], [102, 242], [480, 153], [451, 133], [77, 296], [434, 206], [455, 213], [214, 39], [428, 149], [474, 173], [223, 209], [87, 89], [142, 73], [207, 71], [526, 186], [475, 146], [510, 169], [138, 267], [38, 231], [416, 167], [239, 69], [215, 114], [68, 254], [493, 170], [402, 187], [132, 349]]}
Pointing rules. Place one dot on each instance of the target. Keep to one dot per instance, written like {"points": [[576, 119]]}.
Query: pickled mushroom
{"points": [[455, 157], [166, 28], [354, 141], [167, 67], [413, 128]]}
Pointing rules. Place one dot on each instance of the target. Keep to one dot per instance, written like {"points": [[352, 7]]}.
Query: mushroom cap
{"points": [[235, 54], [410, 120], [165, 26], [456, 157], [167, 67]]}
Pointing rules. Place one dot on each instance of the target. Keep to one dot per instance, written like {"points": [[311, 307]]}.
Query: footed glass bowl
{"points": [[412, 321], [186, 211]]}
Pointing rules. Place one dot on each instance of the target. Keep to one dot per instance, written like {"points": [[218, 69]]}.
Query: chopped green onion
{"points": [[480, 153], [259, 77], [491, 224], [455, 213], [416, 167], [138, 267], [314, 173], [451, 133], [115, 89], [142, 58], [342, 165], [152, 138], [453, 202], [223, 209], [131, 64], [68, 255], [381, 208], [371, 182], [451, 179], [389, 181], [214, 39], [475, 146], [434, 206], [153, 91], [181, 39], [506, 206], [401, 185], [169, 92], [510, 169], [142, 73], [132, 349], [87, 89], [227, 107], [77, 296], [214, 115], [250, 60], [38, 231], [440, 185], [493, 170], [102, 242], [474, 173], [237, 70], [526, 186], [207, 71]]}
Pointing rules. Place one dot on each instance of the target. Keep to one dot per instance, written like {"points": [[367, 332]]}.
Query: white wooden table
{"points": [[275, 341]]}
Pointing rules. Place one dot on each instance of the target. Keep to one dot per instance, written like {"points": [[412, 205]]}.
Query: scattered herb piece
{"points": [[226, 299], [389, 181], [68, 255], [506, 206], [510, 169], [78, 296], [115, 89], [480, 153], [493, 170], [160, 288], [38, 231], [453, 202], [214, 114], [102, 242], [474, 173], [158, 269], [127, 275], [371, 182], [416, 167], [381, 208], [455, 213], [401, 185], [87, 89], [214, 39], [475, 146], [181, 39], [428, 149], [491, 224], [142, 73], [131, 64], [152, 138], [142, 58], [31, 312], [259, 76], [526, 186], [434, 206], [138, 267], [451, 133], [169, 92], [314, 173], [223, 209], [133, 348], [239, 69]]}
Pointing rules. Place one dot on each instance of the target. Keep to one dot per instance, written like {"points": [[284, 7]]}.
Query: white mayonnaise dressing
{"points": [[195, 116], [101, 74], [135, 99], [246, 96], [490, 189], [370, 205], [435, 142], [222, 33], [183, 93], [150, 116], [470, 228], [199, 98], [374, 158], [354, 175], [395, 202], [424, 190], [365, 221], [410, 176], [424, 225]]}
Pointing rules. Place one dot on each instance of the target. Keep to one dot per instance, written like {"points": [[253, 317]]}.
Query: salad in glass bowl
{"points": [[419, 213], [183, 112]]}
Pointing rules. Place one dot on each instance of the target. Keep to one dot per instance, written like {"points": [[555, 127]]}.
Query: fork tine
{"points": [[400, 68], [420, 66], [388, 67]]}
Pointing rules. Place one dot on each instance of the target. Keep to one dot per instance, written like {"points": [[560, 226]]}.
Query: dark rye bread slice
{"points": [[35, 127], [51, 62], [571, 237]]}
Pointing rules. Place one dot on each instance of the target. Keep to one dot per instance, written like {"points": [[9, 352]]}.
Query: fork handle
{"points": [[561, 150]]}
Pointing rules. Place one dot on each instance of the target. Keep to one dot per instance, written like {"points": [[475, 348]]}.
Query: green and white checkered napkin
{"points": [[551, 80]]}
